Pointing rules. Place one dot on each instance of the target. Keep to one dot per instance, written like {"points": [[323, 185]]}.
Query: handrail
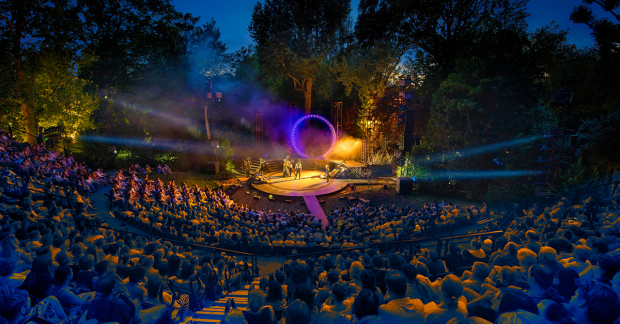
{"points": [[179, 241], [419, 240], [16, 177], [19, 130]]}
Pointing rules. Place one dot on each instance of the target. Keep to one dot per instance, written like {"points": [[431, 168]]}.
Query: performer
{"points": [[261, 166], [289, 166], [286, 172], [247, 164], [298, 169], [327, 173]]}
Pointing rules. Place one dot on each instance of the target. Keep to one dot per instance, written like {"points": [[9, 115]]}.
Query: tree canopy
{"points": [[294, 38]]}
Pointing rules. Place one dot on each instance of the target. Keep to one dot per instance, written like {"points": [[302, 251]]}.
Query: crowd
{"points": [[553, 265], [47, 165]]}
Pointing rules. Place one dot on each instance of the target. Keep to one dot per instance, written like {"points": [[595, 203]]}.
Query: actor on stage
{"points": [[298, 169], [248, 165], [261, 166], [327, 173], [285, 168]]}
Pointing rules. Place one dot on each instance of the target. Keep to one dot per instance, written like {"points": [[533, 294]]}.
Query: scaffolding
{"points": [[337, 118], [558, 145], [258, 134]]}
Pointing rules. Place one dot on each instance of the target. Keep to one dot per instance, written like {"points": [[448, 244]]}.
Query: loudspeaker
{"points": [[408, 119], [212, 167], [404, 185]]}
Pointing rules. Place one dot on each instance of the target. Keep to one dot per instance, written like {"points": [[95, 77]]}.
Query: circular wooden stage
{"points": [[310, 184]]}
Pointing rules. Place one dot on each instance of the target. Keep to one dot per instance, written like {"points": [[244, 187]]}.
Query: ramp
{"points": [[315, 208]]}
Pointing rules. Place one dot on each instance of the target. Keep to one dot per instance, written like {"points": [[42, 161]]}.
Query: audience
{"points": [[559, 264]]}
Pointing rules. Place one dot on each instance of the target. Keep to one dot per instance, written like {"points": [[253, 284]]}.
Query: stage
{"points": [[309, 185]]}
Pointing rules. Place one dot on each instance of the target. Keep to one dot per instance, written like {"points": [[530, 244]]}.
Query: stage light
{"points": [[331, 128]]}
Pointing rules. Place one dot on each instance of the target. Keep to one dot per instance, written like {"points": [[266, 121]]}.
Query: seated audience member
{"points": [[258, 312], [580, 260], [455, 260], [567, 283], [594, 302], [16, 307], [480, 272], [339, 297], [549, 258], [366, 305], [450, 306], [60, 290], [298, 313], [510, 258], [540, 281], [516, 307], [419, 287], [476, 253], [400, 309], [39, 280]]}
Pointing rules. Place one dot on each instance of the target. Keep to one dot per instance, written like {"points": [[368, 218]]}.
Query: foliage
{"points": [[131, 39], [599, 140], [368, 71], [576, 175], [443, 30], [28, 28], [294, 38], [60, 98]]}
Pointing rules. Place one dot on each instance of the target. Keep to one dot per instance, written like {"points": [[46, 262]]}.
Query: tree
{"points": [[132, 40], [294, 38], [368, 71], [60, 96], [600, 139], [603, 79], [445, 30], [606, 32], [28, 27]]}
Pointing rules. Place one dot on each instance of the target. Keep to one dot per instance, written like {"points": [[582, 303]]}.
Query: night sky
{"points": [[233, 17]]}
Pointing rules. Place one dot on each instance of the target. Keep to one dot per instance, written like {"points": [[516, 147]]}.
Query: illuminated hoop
{"points": [[294, 130]]}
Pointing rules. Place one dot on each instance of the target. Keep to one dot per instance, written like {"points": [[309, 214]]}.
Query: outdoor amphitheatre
{"points": [[315, 161]]}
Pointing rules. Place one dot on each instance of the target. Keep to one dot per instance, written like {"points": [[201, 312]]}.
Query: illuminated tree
{"points": [[294, 38], [28, 27]]}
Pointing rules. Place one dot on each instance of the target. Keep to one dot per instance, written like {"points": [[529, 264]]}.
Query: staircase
{"points": [[215, 312], [269, 167]]}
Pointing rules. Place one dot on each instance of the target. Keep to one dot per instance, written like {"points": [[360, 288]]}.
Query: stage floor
{"points": [[309, 185]]}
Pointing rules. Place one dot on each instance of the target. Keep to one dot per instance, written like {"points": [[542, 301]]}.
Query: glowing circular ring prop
{"points": [[294, 130]]}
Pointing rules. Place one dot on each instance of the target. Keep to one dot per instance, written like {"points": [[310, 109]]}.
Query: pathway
{"points": [[315, 208]]}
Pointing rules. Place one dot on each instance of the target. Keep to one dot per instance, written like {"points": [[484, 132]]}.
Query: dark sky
{"points": [[233, 18]]}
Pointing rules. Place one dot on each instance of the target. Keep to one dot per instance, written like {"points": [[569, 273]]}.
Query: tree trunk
{"points": [[308, 96], [30, 120], [30, 123]]}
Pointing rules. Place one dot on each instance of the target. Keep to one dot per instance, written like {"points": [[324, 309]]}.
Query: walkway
{"points": [[215, 313], [315, 208]]}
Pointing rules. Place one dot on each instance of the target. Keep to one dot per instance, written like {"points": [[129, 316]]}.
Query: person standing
{"points": [[261, 166], [285, 167], [327, 173], [248, 166], [298, 169]]}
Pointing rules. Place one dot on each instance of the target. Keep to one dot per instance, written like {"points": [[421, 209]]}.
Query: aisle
{"points": [[315, 208], [215, 312]]}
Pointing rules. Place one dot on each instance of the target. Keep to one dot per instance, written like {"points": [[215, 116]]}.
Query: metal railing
{"points": [[411, 245], [253, 264]]}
